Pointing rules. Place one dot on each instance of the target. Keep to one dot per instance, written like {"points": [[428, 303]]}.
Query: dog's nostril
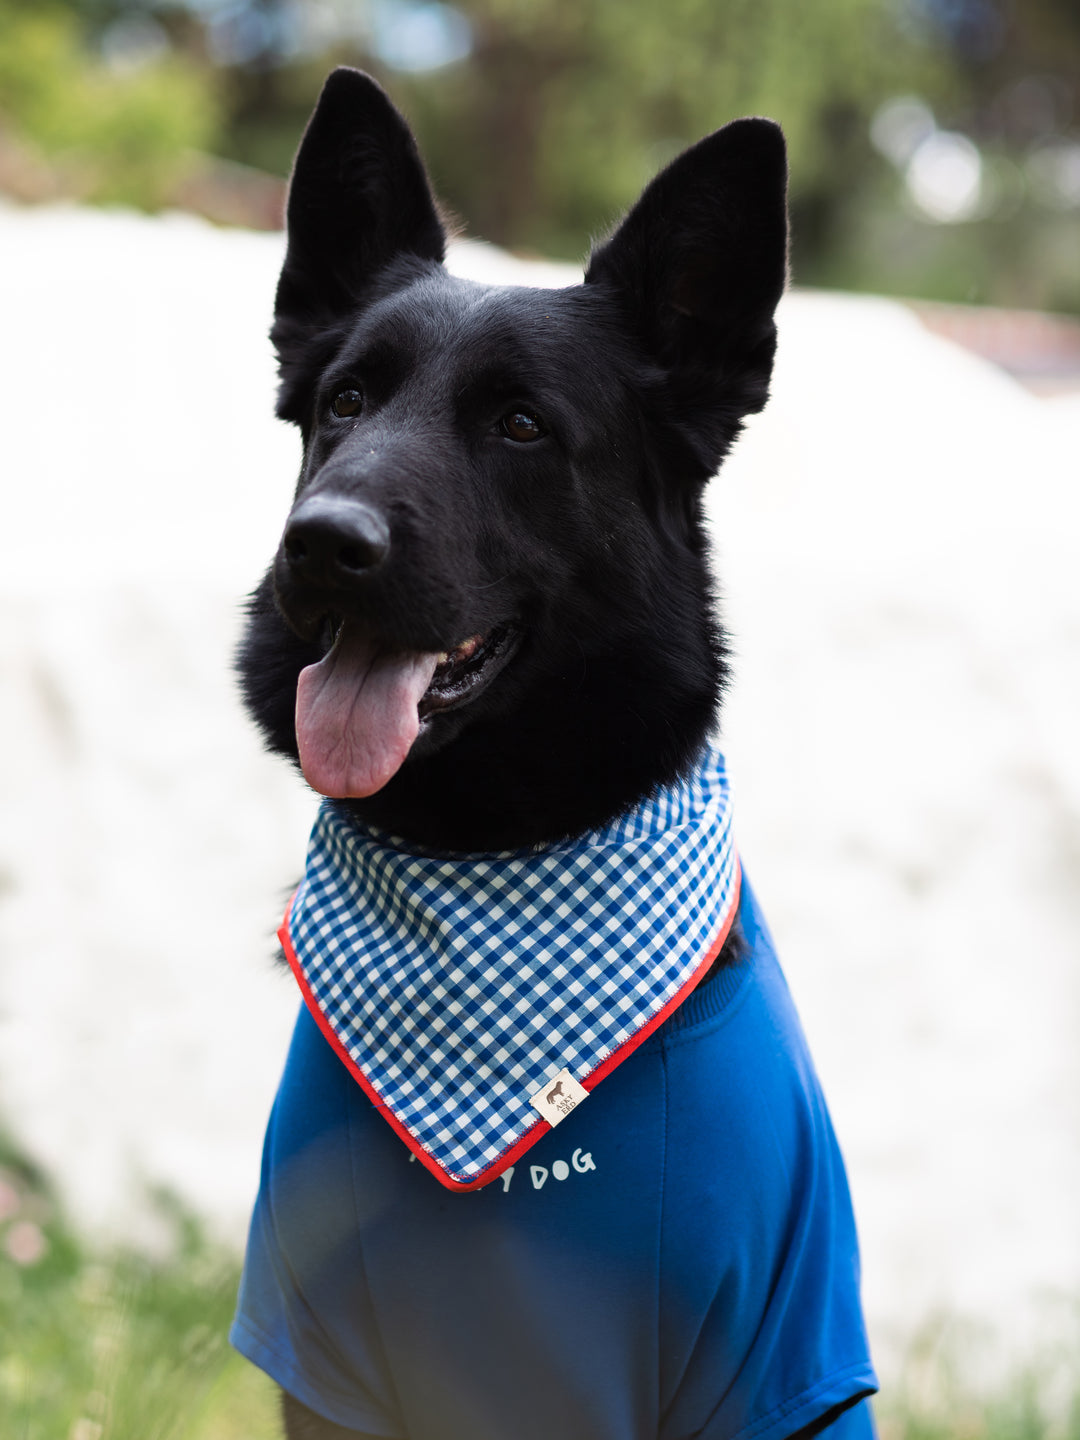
{"points": [[335, 540], [359, 557]]}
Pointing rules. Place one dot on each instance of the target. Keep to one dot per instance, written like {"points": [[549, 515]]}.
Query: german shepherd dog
{"points": [[490, 624]]}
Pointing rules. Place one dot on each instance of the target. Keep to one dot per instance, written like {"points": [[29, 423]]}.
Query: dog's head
{"points": [[489, 620]]}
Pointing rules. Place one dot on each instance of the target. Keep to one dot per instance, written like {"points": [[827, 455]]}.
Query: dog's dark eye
{"points": [[522, 426], [347, 402]]}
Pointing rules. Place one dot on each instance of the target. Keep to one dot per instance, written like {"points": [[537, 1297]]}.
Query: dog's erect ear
{"points": [[359, 196], [700, 262]]}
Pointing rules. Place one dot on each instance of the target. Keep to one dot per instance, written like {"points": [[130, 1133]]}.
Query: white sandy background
{"points": [[898, 539]]}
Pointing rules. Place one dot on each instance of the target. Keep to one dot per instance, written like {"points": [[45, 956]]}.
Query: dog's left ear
{"points": [[700, 262]]}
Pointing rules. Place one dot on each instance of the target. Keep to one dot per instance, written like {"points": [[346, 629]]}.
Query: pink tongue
{"points": [[356, 716]]}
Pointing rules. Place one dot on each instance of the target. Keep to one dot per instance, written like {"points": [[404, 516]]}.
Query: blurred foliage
{"points": [[112, 1343], [575, 106], [113, 136], [551, 115], [935, 1397]]}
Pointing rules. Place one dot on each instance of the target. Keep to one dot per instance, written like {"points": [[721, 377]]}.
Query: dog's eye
{"points": [[347, 402], [522, 426]]}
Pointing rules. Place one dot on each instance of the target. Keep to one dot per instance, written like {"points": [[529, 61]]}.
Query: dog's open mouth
{"points": [[360, 708], [463, 672]]}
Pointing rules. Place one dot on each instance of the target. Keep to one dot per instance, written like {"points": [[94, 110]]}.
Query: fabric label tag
{"points": [[557, 1096]]}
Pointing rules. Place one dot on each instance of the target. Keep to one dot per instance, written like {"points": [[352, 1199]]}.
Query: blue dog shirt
{"points": [[676, 1259]]}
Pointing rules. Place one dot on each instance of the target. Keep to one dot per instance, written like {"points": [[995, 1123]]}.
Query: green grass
{"points": [[109, 1344], [935, 1398], [114, 1345]]}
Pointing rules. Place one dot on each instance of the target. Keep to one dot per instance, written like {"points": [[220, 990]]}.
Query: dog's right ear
{"points": [[359, 197]]}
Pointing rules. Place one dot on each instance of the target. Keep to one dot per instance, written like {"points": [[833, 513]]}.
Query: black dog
{"points": [[490, 625]]}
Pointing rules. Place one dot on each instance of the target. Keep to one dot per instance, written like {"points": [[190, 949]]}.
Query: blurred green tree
{"points": [[112, 131], [563, 110]]}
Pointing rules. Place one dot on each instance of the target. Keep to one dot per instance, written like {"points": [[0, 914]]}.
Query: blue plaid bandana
{"points": [[479, 998]]}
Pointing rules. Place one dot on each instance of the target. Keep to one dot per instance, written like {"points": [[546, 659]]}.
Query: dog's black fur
{"points": [[524, 465]]}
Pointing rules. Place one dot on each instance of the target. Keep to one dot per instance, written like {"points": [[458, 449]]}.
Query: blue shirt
{"points": [[676, 1259]]}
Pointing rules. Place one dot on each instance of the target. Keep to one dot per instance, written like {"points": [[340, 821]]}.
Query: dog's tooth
{"points": [[442, 657]]}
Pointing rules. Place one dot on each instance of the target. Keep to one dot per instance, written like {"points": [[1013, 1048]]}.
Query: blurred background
{"points": [[897, 543], [935, 143]]}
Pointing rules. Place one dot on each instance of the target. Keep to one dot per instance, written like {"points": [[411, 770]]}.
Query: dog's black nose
{"points": [[333, 540]]}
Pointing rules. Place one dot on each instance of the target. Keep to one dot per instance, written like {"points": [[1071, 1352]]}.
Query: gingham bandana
{"points": [[457, 989]]}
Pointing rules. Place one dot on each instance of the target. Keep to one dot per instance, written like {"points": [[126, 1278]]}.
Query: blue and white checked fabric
{"points": [[454, 986]]}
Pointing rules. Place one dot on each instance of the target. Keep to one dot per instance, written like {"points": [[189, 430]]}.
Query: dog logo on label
{"points": [[559, 1095]]}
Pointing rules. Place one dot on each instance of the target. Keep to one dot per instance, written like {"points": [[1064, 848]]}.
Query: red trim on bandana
{"points": [[541, 1127]]}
